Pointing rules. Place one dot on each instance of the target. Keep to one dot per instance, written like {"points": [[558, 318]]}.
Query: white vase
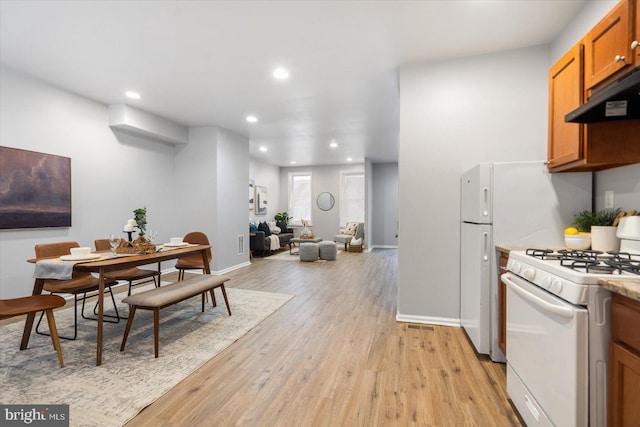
{"points": [[603, 238]]}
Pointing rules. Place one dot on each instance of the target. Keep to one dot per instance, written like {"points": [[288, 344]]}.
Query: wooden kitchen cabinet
{"points": [[502, 303], [624, 363], [565, 95], [635, 43], [577, 147], [608, 45]]}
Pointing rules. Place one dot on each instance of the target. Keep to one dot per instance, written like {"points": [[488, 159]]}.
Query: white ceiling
{"points": [[209, 63]]}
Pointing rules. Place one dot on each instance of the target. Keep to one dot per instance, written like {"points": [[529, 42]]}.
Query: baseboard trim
{"points": [[232, 268], [384, 247], [442, 321]]}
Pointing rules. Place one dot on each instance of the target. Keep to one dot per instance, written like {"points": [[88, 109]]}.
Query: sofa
{"points": [[259, 243], [353, 230]]}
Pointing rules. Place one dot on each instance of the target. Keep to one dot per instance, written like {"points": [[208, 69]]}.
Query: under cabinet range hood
{"points": [[619, 100]]}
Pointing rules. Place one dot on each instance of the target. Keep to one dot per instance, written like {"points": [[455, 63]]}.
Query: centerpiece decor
{"points": [[141, 244]]}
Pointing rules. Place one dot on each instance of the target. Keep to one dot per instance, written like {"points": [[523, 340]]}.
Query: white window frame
{"points": [[295, 220], [344, 215]]}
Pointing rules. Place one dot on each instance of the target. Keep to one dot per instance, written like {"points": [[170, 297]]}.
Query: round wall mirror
{"points": [[325, 201]]}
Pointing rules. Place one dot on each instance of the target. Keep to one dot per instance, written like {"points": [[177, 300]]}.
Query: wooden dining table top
{"points": [[122, 261]]}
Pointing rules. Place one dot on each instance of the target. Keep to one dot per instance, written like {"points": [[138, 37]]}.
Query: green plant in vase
{"points": [[584, 220], [282, 217], [140, 216]]}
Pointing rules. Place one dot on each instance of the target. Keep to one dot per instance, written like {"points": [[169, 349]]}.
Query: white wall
{"points": [[323, 178], [112, 174], [384, 212], [231, 202], [267, 175], [454, 115], [625, 184]]}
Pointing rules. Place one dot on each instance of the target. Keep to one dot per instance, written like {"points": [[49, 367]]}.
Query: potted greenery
{"points": [[600, 225], [141, 219]]}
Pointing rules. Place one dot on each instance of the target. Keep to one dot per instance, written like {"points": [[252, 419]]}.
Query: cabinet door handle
{"points": [[619, 58], [634, 44]]}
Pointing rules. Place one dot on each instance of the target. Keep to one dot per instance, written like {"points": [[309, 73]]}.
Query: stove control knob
{"points": [[529, 274], [546, 282], [556, 286], [517, 267]]}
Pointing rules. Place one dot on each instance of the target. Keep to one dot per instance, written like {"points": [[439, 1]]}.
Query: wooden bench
{"points": [[164, 296]]}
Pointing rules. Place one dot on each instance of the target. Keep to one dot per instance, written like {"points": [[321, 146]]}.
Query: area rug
{"points": [[126, 382]]}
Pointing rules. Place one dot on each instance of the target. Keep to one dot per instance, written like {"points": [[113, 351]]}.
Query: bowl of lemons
{"points": [[575, 239]]}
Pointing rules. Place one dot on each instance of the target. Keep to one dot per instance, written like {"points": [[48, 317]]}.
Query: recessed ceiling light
{"points": [[132, 95], [252, 119], [280, 74], [263, 149], [333, 144], [349, 159], [292, 162]]}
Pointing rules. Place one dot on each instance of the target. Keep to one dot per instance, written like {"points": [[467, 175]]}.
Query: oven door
{"points": [[547, 363]]}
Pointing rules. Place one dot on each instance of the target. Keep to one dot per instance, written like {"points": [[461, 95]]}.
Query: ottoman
{"points": [[309, 251], [328, 250]]}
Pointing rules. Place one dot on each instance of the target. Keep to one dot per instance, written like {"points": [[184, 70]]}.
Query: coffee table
{"points": [[301, 240]]}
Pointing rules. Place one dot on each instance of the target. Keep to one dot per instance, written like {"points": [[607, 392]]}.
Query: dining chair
{"points": [[33, 304], [79, 285], [129, 274], [193, 262]]}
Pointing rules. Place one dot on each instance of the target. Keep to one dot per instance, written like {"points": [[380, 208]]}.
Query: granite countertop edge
{"points": [[629, 288]]}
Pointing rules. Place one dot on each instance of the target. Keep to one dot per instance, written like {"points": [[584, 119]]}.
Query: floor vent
{"points": [[423, 327]]}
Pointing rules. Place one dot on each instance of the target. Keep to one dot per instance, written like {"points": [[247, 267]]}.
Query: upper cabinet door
{"points": [[565, 95], [608, 45], [635, 44]]}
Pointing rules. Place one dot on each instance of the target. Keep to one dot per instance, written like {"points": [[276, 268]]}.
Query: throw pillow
{"points": [[283, 226], [356, 242], [274, 229], [264, 227], [351, 228], [253, 228]]}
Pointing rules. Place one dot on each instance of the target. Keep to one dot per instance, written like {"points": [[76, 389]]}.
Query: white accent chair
{"points": [[345, 235]]}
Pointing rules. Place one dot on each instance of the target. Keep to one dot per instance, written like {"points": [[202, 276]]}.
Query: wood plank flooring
{"points": [[335, 356]]}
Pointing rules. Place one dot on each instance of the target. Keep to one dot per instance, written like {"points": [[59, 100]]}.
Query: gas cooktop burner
{"points": [[588, 261]]}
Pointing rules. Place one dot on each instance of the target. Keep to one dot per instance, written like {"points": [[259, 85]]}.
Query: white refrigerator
{"points": [[515, 205]]}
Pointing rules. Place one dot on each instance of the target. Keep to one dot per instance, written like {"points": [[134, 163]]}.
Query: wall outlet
{"points": [[608, 199]]}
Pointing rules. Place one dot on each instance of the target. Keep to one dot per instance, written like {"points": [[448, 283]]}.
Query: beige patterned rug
{"points": [[126, 382]]}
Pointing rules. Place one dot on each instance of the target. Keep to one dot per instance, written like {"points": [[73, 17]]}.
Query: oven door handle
{"points": [[558, 310]]}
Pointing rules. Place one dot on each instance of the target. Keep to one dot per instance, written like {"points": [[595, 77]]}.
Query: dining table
{"points": [[110, 262]]}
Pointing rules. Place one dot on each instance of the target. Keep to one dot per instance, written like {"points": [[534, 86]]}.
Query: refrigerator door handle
{"points": [[485, 194], [485, 250]]}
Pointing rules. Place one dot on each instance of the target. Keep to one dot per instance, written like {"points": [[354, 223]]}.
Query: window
{"points": [[300, 197], [351, 197]]}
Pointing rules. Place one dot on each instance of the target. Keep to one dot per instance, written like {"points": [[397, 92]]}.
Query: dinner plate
{"points": [[79, 257], [176, 245]]}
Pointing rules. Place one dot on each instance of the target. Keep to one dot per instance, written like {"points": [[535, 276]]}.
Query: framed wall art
{"points": [[35, 189], [261, 200], [252, 193]]}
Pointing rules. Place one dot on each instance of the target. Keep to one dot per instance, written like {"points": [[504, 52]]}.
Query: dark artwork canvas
{"points": [[35, 189]]}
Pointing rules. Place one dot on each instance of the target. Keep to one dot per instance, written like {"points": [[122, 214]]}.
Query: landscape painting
{"points": [[35, 189]]}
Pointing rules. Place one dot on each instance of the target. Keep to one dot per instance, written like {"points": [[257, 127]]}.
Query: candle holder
{"points": [[129, 234]]}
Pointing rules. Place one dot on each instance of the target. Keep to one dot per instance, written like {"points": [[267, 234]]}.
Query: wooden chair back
{"points": [[45, 250]]}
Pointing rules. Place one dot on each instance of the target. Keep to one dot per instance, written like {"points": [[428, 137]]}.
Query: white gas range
{"points": [[558, 330]]}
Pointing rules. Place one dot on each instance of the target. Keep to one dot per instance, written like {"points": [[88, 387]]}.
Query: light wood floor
{"points": [[335, 356]]}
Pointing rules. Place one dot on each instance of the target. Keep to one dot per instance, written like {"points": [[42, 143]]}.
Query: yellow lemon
{"points": [[571, 231], [582, 233]]}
